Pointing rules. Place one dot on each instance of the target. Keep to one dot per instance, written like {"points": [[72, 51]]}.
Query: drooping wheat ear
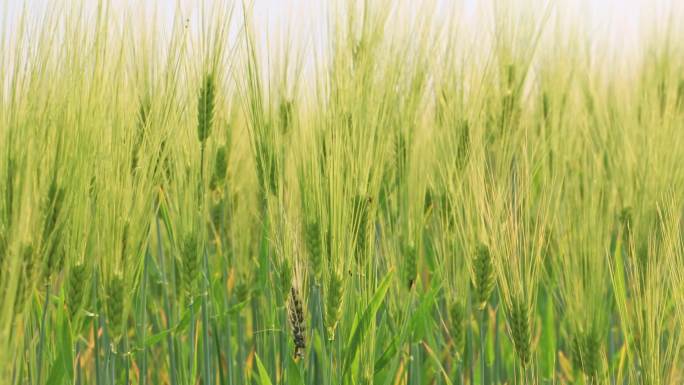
{"points": [[190, 259], [115, 306], [521, 330], [285, 278], [205, 108], [333, 303], [285, 112], [312, 237], [297, 322], [220, 168], [75, 288], [410, 265], [484, 275], [458, 315]]}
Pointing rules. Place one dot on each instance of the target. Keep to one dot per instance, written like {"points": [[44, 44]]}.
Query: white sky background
{"points": [[619, 23], [620, 16]]}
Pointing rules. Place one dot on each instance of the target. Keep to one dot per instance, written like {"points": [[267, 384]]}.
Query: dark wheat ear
{"points": [[297, 323]]}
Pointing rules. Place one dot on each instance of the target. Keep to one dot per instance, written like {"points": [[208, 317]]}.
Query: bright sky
{"points": [[617, 20]]}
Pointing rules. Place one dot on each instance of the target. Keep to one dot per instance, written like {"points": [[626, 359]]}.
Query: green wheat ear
{"points": [[115, 306], [333, 304], [457, 314], [190, 262], [484, 275], [75, 289], [576, 350], [410, 264], [220, 168], [361, 206], [592, 354], [312, 238], [521, 332], [205, 108]]}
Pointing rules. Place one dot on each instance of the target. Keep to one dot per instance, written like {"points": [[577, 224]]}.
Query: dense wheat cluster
{"points": [[403, 199]]}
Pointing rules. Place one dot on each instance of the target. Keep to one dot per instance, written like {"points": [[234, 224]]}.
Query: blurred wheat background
{"points": [[341, 192]]}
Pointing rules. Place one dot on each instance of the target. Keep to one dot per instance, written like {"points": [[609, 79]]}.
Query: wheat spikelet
{"points": [[75, 288], [205, 108], [458, 315], [312, 237], [591, 354], [521, 330], [484, 275], [361, 205], [333, 304], [220, 168], [576, 350], [115, 305], [190, 262]]}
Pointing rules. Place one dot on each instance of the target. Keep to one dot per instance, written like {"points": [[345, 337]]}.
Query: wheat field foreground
{"points": [[398, 194]]}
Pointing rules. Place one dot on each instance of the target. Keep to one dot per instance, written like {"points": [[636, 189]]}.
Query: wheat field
{"points": [[407, 197]]}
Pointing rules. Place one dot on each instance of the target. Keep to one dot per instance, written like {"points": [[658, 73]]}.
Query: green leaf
{"points": [[264, 379], [61, 370], [418, 318], [548, 340], [361, 327], [294, 375], [156, 338]]}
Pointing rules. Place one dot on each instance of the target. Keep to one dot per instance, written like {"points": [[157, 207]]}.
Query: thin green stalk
{"points": [[143, 315], [41, 341], [205, 321], [241, 348], [167, 305], [483, 346]]}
